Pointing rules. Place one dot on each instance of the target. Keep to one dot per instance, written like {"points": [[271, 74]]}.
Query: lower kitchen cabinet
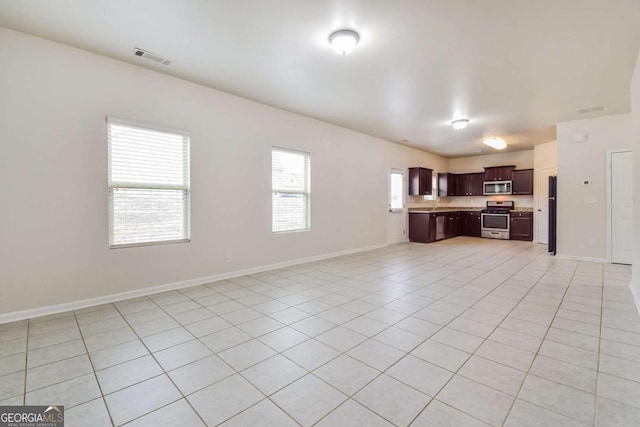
{"points": [[522, 226], [427, 227], [420, 227], [469, 224]]}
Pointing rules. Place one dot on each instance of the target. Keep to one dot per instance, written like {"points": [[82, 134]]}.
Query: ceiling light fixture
{"points": [[497, 143], [344, 41], [460, 123]]}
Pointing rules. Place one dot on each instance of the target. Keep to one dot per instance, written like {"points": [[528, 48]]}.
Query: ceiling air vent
{"points": [[591, 110], [151, 56]]}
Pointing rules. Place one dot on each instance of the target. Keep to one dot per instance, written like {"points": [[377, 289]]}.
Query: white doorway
{"points": [[397, 222], [541, 222], [621, 207]]}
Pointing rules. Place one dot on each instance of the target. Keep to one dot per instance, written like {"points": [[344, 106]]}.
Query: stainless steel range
{"points": [[496, 220]]}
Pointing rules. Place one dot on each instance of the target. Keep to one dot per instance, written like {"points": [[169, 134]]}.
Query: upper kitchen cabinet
{"points": [[522, 181], [499, 173], [447, 184], [420, 182], [469, 184]]}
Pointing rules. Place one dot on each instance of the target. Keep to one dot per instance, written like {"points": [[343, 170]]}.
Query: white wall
{"points": [[545, 156], [582, 226], [53, 167], [635, 118], [520, 159]]}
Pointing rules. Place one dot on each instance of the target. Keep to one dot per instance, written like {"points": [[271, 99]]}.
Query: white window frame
{"points": [[112, 185], [306, 192]]}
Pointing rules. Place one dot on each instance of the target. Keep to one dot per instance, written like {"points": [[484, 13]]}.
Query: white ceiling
{"points": [[514, 67]]}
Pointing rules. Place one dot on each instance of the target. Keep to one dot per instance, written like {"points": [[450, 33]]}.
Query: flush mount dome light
{"points": [[497, 143], [460, 123], [344, 41]]}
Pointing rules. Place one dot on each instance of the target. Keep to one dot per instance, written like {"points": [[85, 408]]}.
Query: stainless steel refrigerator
{"points": [[553, 212]]}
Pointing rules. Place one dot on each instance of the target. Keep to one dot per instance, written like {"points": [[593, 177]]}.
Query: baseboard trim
{"points": [[582, 258], [76, 305]]}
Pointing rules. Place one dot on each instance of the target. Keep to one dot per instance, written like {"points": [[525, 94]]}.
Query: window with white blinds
{"points": [[290, 190], [149, 191]]}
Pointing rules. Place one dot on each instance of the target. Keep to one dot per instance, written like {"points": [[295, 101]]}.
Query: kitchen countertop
{"points": [[458, 209]]}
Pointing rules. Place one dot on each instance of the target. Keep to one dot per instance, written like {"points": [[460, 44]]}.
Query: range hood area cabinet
{"points": [[498, 173], [420, 182], [464, 184], [470, 184]]}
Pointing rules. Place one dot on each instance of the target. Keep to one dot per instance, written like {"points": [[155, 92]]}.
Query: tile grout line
{"points": [[26, 364], [487, 339], [95, 376], [426, 339], [538, 351], [596, 398]]}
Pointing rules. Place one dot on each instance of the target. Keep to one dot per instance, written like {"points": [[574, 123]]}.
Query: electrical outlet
{"points": [[227, 254], [592, 242]]}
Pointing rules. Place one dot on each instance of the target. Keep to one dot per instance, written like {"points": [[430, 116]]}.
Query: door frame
{"points": [[609, 196], [536, 204], [405, 192]]}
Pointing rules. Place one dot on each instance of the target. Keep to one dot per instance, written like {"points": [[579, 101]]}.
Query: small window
{"points": [[290, 190], [396, 191], [149, 191]]}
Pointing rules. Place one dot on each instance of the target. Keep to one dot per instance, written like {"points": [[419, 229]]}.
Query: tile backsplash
{"points": [[467, 201]]}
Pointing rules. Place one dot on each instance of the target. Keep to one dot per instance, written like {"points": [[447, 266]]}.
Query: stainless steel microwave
{"points": [[491, 188]]}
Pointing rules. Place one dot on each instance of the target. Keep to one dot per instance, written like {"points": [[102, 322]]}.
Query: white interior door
{"points": [[397, 216], [541, 223], [622, 207]]}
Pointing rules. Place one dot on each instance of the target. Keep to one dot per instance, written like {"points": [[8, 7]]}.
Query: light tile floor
{"points": [[465, 332]]}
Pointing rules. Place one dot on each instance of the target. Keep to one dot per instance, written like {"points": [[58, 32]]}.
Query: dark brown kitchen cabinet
{"points": [[469, 184], [469, 224], [522, 181], [420, 183], [522, 226], [499, 173], [451, 224], [447, 184], [421, 227]]}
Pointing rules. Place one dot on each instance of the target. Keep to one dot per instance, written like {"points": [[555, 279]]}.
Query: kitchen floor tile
{"points": [[246, 354], [441, 355], [487, 320], [346, 374], [263, 414], [224, 399], [174, 414], [311, 354], [437, 414], [283, 338], [392, 399], [200, 374], [93, 413], [128, 373], [477, 400], [559, 398], [421, 375], [273, 374], [495, 375], [342, 339], [308, 399], [375, 354], [181, 354], [140, 399], [353, 414]]}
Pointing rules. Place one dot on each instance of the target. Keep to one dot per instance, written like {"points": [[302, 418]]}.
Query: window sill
{"points": [[136, 245]]}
